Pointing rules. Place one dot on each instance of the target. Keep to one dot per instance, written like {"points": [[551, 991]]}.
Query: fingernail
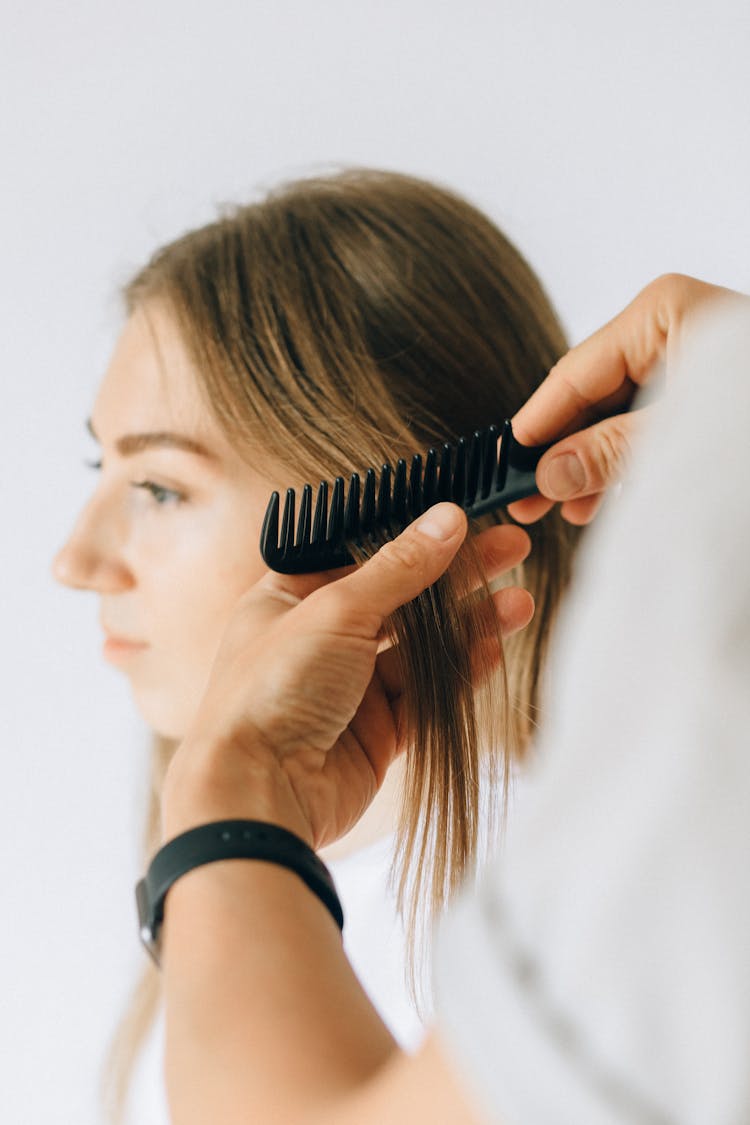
{"points": [[440, 522], [563, 477]]}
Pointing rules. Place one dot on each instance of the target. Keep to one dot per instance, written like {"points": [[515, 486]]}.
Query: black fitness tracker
{"points": [[226, 839]]}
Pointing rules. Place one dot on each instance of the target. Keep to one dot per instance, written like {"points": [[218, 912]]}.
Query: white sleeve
{"points": [[601, 974]]}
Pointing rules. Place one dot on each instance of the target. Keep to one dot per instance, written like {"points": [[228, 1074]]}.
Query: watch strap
{"points": [[221, 840]]}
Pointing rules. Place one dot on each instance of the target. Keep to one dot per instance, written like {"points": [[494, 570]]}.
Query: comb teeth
{"points": [[400, 495], [489, 458], [415, 499], [304, 522], [351, 519], [459, 473], [470, 474], [383, 514]]}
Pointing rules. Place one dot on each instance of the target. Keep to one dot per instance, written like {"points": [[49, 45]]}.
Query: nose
{"points": [[93, 556]]}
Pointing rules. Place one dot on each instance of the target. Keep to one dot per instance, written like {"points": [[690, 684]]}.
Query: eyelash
{"points": [[161, 495]]}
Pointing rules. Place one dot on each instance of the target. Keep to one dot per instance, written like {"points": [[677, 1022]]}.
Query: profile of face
{"points": [[169, 538]]}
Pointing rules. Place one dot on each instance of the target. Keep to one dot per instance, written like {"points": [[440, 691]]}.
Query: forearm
{"points": [[265, 1018]]}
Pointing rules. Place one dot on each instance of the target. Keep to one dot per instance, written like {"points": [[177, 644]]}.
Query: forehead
{"points": [[151, 384]]}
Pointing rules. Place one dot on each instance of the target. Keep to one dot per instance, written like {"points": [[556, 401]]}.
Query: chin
{"points": [[164, 716]]}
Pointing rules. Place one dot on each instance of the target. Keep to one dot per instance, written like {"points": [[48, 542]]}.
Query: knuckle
{"points": [[515, 542], [403, 553], [328, 604], [580, 400], [610, 454], [334, 611], [555, 368], [669, 295], [667, 285]]}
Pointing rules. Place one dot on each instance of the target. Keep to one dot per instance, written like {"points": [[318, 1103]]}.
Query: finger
{"points": [[275, 594], [530, 509], [577, 512], [559, 407], [590, 460], [296, 587], [509, 609], [512, 609], [582, 511], [398, 572], [602, 373], [500, 548], [609, 363]]}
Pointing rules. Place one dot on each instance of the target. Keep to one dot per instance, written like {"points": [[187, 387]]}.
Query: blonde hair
{"points": [[340, 322]]}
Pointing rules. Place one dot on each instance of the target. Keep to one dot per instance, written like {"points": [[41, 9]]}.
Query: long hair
{"points": [[340, 322]]}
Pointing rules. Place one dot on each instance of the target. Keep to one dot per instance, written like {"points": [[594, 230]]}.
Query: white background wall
{"points": [[609, 140]]}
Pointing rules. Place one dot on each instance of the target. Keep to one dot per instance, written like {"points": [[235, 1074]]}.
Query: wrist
{"points": [[218, 842], [214, 780]]}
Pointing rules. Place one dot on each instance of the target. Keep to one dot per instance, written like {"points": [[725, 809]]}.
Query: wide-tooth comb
{"points": [[470, 473]]}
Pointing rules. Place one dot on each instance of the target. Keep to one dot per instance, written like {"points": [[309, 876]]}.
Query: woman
{"points": [[336, 324]]}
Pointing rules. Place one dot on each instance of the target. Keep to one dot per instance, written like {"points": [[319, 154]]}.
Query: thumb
{"points": [[589, 461], [407, 565]]}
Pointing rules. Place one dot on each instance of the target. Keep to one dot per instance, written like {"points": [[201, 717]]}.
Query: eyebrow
{"points": [[130, 444]]}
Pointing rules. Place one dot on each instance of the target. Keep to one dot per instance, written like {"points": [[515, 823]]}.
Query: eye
{"points": [[161, 495]]}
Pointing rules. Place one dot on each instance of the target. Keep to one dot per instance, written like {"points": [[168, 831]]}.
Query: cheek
{"points": [[169, 681], [189, 612], [192, 579], [193, 607]]}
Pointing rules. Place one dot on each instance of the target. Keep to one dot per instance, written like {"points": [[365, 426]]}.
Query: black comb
{"points": [[469, 473]]}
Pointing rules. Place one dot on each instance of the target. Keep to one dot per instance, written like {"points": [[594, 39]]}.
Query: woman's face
{"points": [[169, 539]]}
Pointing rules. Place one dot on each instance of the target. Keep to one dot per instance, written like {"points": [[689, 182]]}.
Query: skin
{"points": [[586, 392], [298, 725], [260, 998], [169, 539], [168, 566], [264, 1016], [171, 564]]}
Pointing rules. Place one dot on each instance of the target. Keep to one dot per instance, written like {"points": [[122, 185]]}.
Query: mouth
{"points": [[117, 649]]}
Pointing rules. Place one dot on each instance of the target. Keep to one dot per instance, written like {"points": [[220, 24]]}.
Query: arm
{"points": [[610, 948], [265, 1018], [267, 1022]]}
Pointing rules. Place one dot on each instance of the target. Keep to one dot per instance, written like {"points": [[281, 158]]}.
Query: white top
{"points": [[375, 939], [601, 976]]}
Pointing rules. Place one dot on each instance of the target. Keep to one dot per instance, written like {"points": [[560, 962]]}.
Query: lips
{"points": [[117, 647]]}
